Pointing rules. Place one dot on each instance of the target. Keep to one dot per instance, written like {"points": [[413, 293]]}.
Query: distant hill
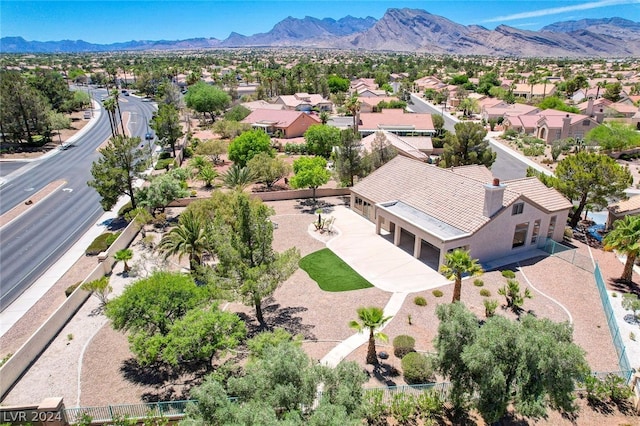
{"points": [[398, 30]]}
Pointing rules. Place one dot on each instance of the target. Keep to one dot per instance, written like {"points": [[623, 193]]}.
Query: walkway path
{"points": [[384, 265]]}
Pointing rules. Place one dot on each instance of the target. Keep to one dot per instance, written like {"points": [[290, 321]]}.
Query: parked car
{"points": [[148, 136]]}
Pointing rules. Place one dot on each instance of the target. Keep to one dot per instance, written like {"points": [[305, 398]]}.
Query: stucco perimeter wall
{"points": [[278, 195], [20, 361]]}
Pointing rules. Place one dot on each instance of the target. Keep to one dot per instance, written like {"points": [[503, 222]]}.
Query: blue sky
{"points": [[108, 21]]}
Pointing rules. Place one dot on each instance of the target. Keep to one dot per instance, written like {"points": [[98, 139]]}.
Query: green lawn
{"points": [[331, 273]]}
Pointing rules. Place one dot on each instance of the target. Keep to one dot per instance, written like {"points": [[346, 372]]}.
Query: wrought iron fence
{"points": [[568, 254], [131, 411], [388, 392], [623, 361]]}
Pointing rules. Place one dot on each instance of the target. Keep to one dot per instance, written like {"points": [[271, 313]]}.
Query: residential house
{"points": [[368, 104], [429, 82], [537, 91], [589, 106], [415, 147], [554, 125], [361, 84], [502, 109], [304, 102], [621, 110], [262, 104], [396, 121], [366, 92], [435, 210], [284, 123], [629, 207]]}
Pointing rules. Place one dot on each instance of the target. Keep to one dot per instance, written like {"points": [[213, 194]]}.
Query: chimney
{"points": [[493, 197], [600, 116], [566, 125], [589, 111]]}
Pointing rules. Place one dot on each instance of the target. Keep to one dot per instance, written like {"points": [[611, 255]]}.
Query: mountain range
{"points": [[406, 30]]}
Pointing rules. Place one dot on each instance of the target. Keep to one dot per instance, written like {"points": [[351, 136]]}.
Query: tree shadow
{"points": [[277, 317], [624, 286], [310, 206], [385, 372], [166, 382]]}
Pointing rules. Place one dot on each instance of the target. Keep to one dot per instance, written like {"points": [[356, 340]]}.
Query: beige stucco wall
{"points": [[299, 126]]}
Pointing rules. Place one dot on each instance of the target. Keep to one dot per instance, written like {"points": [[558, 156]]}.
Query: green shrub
{"points": [[485, 293], [417, 368], [430, 405], [163, 164], [403, 344], [508, 273], [490, 306], [164, 155], [478, 282], [101, 243], [437, 293], [188, 152], [420, 301], [72, 288], [403, 407], [125, 209]]}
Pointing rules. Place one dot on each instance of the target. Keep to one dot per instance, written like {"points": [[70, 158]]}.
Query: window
{"points": [[520, 235], [517, 209], [552, 227], [586, 122], [536, 231]]}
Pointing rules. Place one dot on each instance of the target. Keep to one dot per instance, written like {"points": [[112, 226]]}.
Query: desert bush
{"points": [[430, 405], [485, 293], [420, 301], [490, 306], [437, 293], [403, 344], [417, 368], [478, 282], [69, 290], [163, 164], [101, 243], [403, 408], [374, 408], [508, 274], [125, 209]]}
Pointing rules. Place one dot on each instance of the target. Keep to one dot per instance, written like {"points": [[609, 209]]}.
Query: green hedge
{"points": [[163, 164], [403, 344], [101, 243], [417, 368]]}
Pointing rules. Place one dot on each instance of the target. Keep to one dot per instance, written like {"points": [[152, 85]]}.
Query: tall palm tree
{"points": [[371, 319], [625, 238], [110, 106], [124, 255], [191, 237], [238, 178], [456, 264], [352, 105]]}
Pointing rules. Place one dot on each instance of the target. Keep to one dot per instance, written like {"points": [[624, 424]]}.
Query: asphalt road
{"points": [[38, 238], [506, 166]]}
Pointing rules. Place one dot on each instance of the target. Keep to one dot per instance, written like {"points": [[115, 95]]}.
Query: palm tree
{"points": [[124, 255], [456, 264], [191, 237], [353, 106], [207, 174], [238, 178], [625, 238], [371, 318]]}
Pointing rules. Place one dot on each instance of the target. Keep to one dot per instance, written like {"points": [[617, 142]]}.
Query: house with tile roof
{"points": [[369, 103], [396, 121], [551, 125], [416, 147], [288, 124], [436, 210], [304, 102], [629, 207], [494, 111]]}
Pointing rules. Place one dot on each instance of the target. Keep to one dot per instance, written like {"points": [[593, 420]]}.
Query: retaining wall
{"points": [[293, 194], [27, 354]]}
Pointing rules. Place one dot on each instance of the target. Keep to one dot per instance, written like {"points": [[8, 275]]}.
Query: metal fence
{"points": [[132, 411], [623, 361], [388, 392], [568, 254]]}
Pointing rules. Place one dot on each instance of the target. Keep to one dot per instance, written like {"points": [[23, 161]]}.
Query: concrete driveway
{"points": [[384, 265]]}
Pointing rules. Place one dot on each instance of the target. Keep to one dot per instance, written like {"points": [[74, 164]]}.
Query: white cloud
{"points": [[563, 9]]}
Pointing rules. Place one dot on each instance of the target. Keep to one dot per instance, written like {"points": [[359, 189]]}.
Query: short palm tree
{"points": [[238, 178], [456, 264], [625, 238], [124, 255], [207, 175], [371, 319], [199, 162], [191, 237]]}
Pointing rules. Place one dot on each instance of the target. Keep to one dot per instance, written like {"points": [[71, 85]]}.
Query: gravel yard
{"points": [[94, 366]]}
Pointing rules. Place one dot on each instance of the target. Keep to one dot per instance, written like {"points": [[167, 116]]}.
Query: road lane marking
{"points": [[34, 199]]}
